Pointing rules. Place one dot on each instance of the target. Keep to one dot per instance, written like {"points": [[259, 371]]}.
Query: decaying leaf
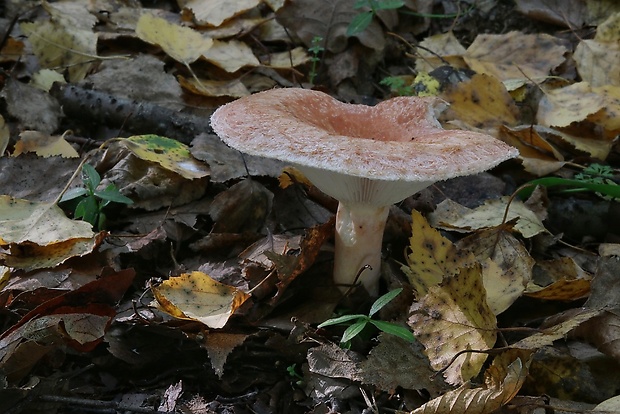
{"points": [[454, 317], [197, 297], [560, 279], [598, 59], [450, 215], [515, 55], [481, 102], [66, 40], [537, 154], [443, 46], [433, 258], [231, 55], [503, 380], [506, 265], [219, 345], [43, 145]]}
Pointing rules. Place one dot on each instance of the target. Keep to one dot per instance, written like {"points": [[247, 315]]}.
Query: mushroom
{"points": [[366, 157]]}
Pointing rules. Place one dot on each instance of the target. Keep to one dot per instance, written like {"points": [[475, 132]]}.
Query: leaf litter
{"points": [[211, 285]]}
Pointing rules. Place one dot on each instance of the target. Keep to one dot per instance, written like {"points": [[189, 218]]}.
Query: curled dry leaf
{"points": [[503, 380]]}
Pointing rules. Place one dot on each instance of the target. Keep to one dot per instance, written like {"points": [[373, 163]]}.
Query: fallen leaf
{"points": [[515, 55], [195, 296], [482, 102], [506, 265], [215, 12], [565, 280], [438, 49], [43, 145], [39, 223], [454, 317], [450, 215], [598, 59], [536, 153], [433, 258], [183, 44], [66, 40], [231, 55], [168, 153], [234, 88], [555, 332], [219, 345]]}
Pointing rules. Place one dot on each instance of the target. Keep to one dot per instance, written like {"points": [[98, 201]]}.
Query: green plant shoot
{"points": [[316, 49], [363, 19], [360, 321], [92, 201]]}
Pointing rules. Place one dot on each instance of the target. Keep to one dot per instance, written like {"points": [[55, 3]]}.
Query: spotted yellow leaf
{"points": [[168, 153], [197, 297]]}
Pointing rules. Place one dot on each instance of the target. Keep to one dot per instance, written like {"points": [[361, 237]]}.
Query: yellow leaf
{"points": [[231, 55], [44, 145], [234, 88], [168, 153], [454, 317], [568, 281], [215, 12], [482, 102], [288, 59], [433, 258], [40, 223], [183, 44], [444, 45], [563, 106], [197, 297]]}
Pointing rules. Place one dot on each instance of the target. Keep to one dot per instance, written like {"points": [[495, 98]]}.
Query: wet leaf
{"points": [[215, 12]]}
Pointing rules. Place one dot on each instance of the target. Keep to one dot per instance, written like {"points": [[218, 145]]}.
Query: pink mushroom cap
{"points": [[380, 154]]}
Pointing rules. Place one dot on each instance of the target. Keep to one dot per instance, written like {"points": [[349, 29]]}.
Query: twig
{"points": [[82, 402]]}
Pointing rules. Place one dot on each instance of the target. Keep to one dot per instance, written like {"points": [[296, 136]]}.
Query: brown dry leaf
{"points": [[454, 317], [515, 55], [506, 265], [444, 45], [212, 88], [196, 296], [565, 280], [537, 155], [230, 55], [391, 363], [433, 258], [183, 44], [43, 145], [482, 102], [598, 59], [503, 380], [450, 215], [215, 12], [328, 19], [66, 40], [569, 13], [219, 345], [558, 331]]}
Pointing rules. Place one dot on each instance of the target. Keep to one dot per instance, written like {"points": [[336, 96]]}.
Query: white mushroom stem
{"points": [[359, 234]]}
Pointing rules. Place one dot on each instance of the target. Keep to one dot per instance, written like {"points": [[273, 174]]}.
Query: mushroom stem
{"points": [[359, 233]]}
